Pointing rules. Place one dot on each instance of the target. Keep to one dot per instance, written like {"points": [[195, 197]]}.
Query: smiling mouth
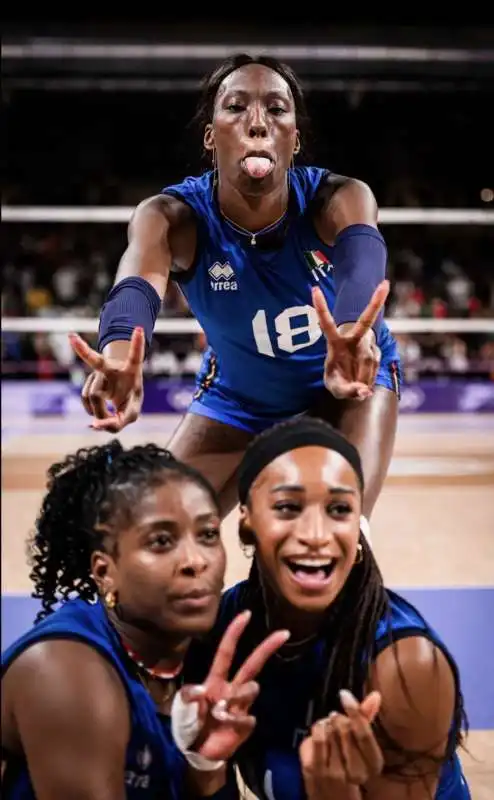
{"points": [[311, 573]]}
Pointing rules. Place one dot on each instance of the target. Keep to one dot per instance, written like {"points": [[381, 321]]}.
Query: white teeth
{"points": [[310, 562]]}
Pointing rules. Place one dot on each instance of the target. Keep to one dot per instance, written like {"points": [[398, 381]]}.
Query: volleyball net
{"points": [[186, 325], [55, 325]]}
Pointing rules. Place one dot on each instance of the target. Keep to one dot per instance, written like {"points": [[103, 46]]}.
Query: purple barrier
{"points": [[21, 399]]}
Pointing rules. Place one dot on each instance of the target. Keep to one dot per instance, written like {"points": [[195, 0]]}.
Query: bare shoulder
{"points": [[166, 225], [343, 201], [172, 209], [67, 712], [418, 688], [65, 679]]}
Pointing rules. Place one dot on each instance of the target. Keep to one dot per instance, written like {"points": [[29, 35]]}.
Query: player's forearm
{"points": [[359, 252], [140, 284]]}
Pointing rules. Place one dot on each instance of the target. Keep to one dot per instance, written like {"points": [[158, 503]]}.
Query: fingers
{"points": [[368, 372], [227, 647], [326, 321], [116, 421], [321, 746], [192, 693], [350, 758], [358, 737], [86, 390], [98, 393], [137, 351], [370, 706], [239, 702], [368, 367], [253, 665], [343, 389], [91, 357], [372, 311]]}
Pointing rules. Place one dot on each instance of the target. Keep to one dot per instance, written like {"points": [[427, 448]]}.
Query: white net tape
{"points": [[189, 326], [387, 216]]}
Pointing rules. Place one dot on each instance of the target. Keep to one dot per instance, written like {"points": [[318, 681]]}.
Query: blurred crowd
{"points": [[100, 149], [67, 271]]}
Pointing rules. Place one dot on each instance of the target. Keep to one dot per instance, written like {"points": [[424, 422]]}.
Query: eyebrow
{"points": [[165, 522], [293, 487], [271, 95]]}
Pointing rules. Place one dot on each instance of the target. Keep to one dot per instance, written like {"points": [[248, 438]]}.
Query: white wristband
{"points": [[185, 730]]}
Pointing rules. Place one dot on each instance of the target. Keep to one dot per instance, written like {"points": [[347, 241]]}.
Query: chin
{"points": [[195, 623], [255, 187]]}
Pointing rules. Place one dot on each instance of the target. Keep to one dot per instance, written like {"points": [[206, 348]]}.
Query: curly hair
{"points": [[96, 486]]}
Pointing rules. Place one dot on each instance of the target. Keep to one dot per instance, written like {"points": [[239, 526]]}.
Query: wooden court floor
{"points": [[433, 527]]}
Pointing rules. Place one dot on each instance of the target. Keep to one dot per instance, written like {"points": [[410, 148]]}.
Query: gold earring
{"points": [[248, 550], [360, 556], [110, 600]]}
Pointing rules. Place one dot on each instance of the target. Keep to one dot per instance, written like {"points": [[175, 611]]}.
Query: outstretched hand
{"points": [[353, 357], [114, 382]]}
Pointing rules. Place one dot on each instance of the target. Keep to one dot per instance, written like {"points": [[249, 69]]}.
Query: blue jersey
{"points": [[154, 767], [266, 348], [269, 762]]}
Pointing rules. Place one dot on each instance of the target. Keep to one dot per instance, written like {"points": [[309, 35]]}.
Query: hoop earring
{"points": [[110, 600], [360, 554], [248, 550]]}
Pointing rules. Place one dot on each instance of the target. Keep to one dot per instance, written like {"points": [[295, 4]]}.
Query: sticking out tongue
{"points": [[257, 166]]}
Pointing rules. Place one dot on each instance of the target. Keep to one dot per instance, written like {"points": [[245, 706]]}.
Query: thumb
{"points": [[370, 706], [191, 694]]}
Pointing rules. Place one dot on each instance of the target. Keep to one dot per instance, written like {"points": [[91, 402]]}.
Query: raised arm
{"points": [[65, 709], [346, 218], [128, 317]]}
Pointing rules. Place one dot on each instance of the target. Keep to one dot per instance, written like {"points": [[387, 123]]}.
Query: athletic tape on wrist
{"points": [[185, 730]]}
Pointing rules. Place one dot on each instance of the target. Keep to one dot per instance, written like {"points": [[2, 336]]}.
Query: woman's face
{"points": [[304, 511]]}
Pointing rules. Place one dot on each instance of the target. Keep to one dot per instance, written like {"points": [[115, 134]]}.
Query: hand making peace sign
{"points": [[112, 381], [353, 357], [213, 719]]}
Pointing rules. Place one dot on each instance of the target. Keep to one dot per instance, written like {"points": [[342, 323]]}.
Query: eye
{"points": [[210, 535], [277, 110], [235, 108], [160, 541], [339, 510], [287, 507]]}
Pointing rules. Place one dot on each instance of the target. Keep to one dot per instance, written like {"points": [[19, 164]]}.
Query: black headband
{"points": [[287, 436]]}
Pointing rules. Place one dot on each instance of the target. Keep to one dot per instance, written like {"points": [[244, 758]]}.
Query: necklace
{"points": [[297, 648], [250, 234], [161, 674]]}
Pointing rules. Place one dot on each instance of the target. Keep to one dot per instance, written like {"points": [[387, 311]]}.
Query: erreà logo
{"points": [[222, 277], [318, 263]]}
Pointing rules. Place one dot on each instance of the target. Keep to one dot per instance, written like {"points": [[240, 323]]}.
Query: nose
{"points": [[192, 561], [315, 529], [257, 122]]}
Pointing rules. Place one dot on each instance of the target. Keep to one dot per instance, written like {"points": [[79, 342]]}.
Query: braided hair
{"points": [[349, 628], [95, 487]]}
